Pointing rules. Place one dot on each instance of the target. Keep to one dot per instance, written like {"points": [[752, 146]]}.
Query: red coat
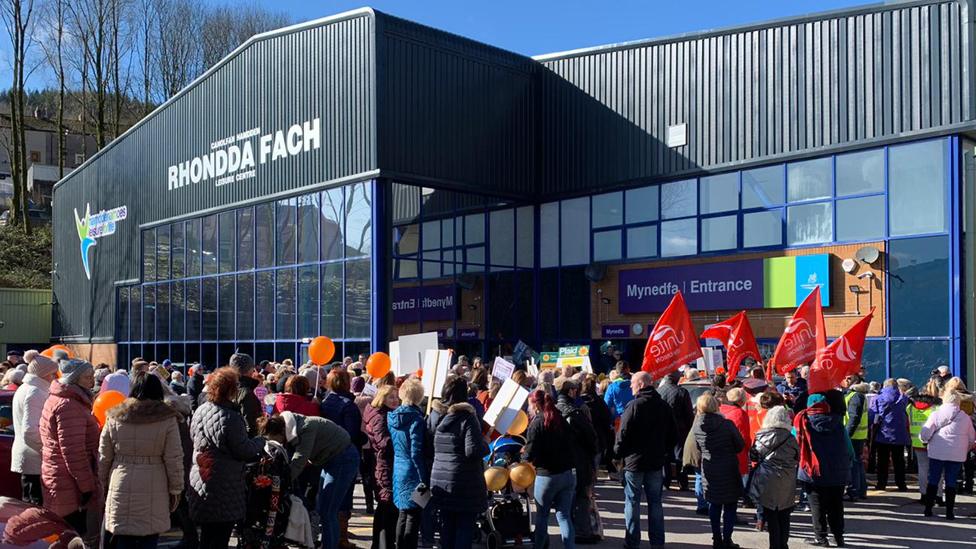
{"points": [[69, 452], [296, 404], [740, 418]]}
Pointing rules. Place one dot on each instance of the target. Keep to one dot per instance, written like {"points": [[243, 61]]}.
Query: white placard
{"points": [[502, 369], [369, 390], [531, 367], [711, 359], [511, 397], [437, 365], [411, 351], [584, 365], [394, 357]]}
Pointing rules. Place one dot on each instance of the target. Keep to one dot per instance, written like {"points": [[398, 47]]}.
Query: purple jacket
{"points": [[888, 411]]}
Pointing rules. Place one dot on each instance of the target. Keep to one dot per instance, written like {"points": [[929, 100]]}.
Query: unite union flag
{"points": [[799, 342], [673, 341], [841, 358]]}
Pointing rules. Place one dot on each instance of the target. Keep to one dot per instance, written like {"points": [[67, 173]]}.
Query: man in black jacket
{"points": [[679, 400], [645, 443], [584, 453], [251, 408]]}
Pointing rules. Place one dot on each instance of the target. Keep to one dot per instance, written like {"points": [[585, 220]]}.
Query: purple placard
{"points": [[413, 303], [467, 333], [615, 330], [708, 287]]}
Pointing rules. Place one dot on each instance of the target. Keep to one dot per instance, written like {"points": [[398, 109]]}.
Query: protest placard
{"points": [[502, 369], [411, 351], [577, 356], [437, 365], [507, 404]]}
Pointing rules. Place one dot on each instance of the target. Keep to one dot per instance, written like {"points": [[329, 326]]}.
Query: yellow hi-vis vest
{"points": [[861, 432], [916, 419]]}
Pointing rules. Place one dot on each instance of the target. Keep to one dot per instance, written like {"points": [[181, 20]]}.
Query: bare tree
{"points": [[147, 17], [120, 46], [92, 24], [17, 17], [54, 48], [177, 53], [226, 27]]}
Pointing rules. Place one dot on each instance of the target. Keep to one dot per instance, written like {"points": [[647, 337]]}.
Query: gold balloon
{"points": [[496, 478], [520, 424], [522, 475]]}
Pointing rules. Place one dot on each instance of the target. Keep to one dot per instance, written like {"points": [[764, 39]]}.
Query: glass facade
{"points": [[256, 279]]}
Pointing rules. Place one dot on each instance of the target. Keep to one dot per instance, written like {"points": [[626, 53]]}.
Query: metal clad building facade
{"points": [[394, 167]]}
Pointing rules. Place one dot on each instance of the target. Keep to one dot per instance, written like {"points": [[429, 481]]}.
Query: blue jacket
{"points": [[341, 409], [888, 411], [408, 430], [617, 396], [833, 450]]}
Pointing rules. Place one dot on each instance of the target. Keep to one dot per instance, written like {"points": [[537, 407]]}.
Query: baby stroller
{"points": [[506, 522], [268, 501]]}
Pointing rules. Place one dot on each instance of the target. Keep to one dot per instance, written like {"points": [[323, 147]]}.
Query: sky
{"points": [[543, 26]]}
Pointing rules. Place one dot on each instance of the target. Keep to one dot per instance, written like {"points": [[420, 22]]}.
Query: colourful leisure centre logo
{"points": [[92, 227]]}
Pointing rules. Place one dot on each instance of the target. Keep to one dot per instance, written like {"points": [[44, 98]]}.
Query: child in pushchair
{"points": [[506, 521], [268, 501]]}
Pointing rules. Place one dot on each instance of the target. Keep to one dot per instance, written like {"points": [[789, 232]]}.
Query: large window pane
{"points": [[641, 204], [861, 218], [642, 242], [357, 299], [135, 313], [809, 180], [719, 233], [122, 313], [332, 218], [762, 229], [176, 311], [679, 237], [679, 199], [308, 228], [287, 225], [149, 255], [245, 306], [209, 245], [875, 360], [763, 187], [264, 231], [917, 184], [331, 307], [264, 311], [192, 305], [918, 287], [607, 245], [860, 172], [474, 229], [809, 224], [285, 304], [178, 257], [226, 303], [227, 241], [719, 193], [209, 307], [431, 231], [574, 304], [525, 233], [549, 235], [575, 230], [308, 301], [501, 225], [245, 239], [162, 252], [149, 313], [359, 212], [608, 210], [193, 247], [914, 360], [162, 312], [446, 232]]}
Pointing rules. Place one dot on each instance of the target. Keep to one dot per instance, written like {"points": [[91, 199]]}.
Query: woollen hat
{"points": [[29, 355], [358, 384], [72, 370], [42, 366]]}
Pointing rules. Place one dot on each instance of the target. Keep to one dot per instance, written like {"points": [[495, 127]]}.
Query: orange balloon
{"points": [[378, 365], [105, 402], [420, 373], [519, 424], [321, 350], [49, 352]]}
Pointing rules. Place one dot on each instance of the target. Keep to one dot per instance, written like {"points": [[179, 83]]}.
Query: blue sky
{"points": [[543, 26]]}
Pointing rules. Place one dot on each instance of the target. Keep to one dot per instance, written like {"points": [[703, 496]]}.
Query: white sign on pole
{"points": [[437, 365], [369, 390], [502, 369], [394, 357], [531, 367], [511, 397], [411, 351]]}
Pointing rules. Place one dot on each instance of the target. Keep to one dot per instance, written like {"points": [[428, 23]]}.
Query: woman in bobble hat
{"points": [[28, 404], [69, 434]]}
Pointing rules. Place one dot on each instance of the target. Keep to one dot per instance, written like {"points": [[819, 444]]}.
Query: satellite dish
{"points": [[868, 255], [595, 272], [637, 328], [849, 265]]}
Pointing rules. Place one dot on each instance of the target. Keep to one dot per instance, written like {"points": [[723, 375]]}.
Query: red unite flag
{"points": [[673, 341], [841, 358], [739, 340], [799, 342]]}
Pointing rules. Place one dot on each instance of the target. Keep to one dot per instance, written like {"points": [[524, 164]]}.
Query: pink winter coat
{"points": [[69, 457], [949, 433]]}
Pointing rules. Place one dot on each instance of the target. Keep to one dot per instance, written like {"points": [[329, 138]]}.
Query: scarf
{"points": [[808, 459]]}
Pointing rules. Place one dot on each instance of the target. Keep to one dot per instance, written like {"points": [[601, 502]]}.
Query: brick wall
{"points": [[767, 323], [96, 353]]}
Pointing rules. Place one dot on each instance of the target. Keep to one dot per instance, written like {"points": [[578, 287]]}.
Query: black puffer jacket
{"points": [[720, 443], [583, 445], [602, 424], [647, 433], [549, 451], [679, 400], [457, 478], [248, 403]]}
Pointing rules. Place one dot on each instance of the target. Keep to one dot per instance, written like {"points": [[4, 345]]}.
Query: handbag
{"points": [[752, 472]]}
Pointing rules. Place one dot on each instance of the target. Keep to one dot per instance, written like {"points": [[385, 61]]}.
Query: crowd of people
{"points": [[180, 450]]}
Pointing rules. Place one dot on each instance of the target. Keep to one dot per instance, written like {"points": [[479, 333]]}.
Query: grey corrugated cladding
{"points": [[762, 92]]}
